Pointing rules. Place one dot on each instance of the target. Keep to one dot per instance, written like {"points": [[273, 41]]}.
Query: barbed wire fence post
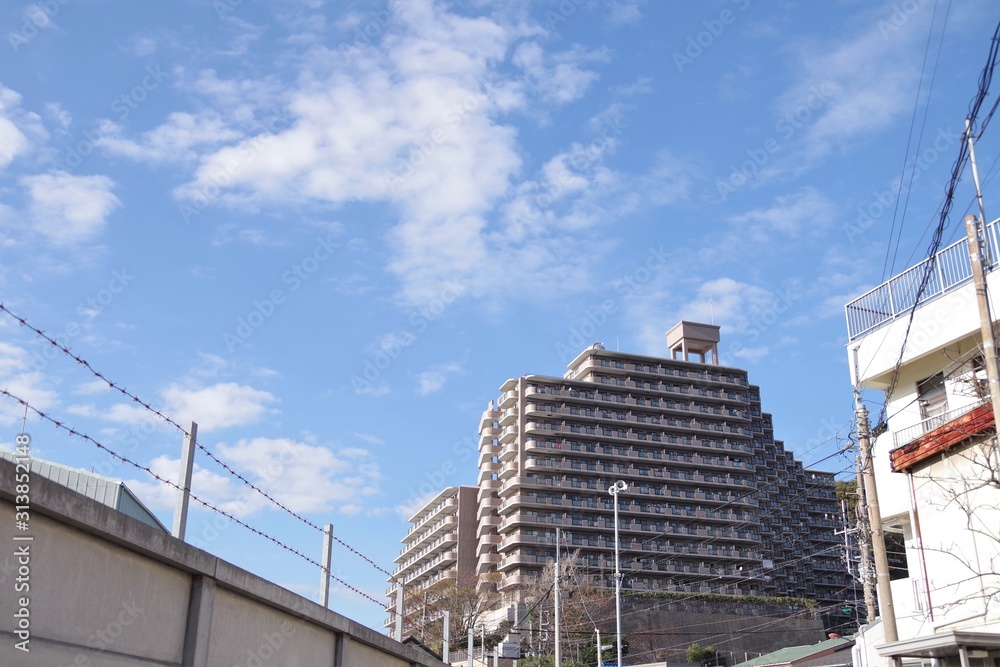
{"points": [[187, 470]]}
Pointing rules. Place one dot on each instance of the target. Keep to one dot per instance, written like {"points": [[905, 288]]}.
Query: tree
{"points": [[960, 550], [588, 653], [467, 599], [848, 492], [697, 655], [583, 603]]}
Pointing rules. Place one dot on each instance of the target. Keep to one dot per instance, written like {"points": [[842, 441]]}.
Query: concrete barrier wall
{"points": [[103, 589]]}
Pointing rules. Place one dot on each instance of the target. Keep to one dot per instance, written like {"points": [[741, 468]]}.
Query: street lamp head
{"points": [[617, 487]]}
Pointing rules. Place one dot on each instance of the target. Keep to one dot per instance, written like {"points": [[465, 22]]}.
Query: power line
{"points": [[909, 138], [985, 78]]}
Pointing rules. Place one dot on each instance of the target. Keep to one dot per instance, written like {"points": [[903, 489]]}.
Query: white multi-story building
{"points": [[438, 546], [935, 461]]}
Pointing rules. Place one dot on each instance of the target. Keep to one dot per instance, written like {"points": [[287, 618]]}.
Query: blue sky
{"points": [[328, 232]]}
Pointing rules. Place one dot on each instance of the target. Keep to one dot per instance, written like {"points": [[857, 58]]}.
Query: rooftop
{"points": [[949, 269], [798, 654]]}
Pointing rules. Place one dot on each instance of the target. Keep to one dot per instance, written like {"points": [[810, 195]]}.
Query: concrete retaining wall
{"points": [[104, 589]]}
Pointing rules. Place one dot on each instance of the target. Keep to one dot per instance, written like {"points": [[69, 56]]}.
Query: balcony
{"points": [[535, 410], [907, 435], [486, 488], [937, 434], [949, 269], [486, 471], [489, 416], [449, 506], [508, 417], [508, 453], [487, 437], [508, 399], [508, 434], [534, 446], [487, 506], [507, 471]]}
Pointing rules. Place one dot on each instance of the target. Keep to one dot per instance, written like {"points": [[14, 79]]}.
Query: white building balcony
{"points": [[950, 268], [878, 322]]}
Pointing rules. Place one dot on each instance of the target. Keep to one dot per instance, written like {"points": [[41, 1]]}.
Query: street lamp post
{"points": [[614, 490]]}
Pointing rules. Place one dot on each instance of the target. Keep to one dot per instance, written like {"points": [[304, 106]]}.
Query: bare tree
{"points": [[467, 599], [962, 486]]}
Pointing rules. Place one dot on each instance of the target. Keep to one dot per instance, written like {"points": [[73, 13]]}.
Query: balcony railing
{"points": [[949, 269], [908, 435]]}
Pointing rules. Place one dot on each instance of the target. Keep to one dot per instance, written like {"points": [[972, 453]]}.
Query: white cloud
{"points": [[558, 78], [370, 439], [62, 117], [850, 90], [624, 12], [217, 406], [69, 209], [744, 311], [412, 118], [805, 212], [218, 488], [408, 508], [304, 477], [433, 379], [641, 86], [18, 376], [179, 139], [91, 387], [144, 46], [13, 141]]}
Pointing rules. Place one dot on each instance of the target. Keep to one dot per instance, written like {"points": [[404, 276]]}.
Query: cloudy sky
{"points": [[329, 231]]}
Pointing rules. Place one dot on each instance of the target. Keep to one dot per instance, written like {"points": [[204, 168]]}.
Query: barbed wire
{"points": [[146, 405], [83, 362], [229, 515], [291, 512]]}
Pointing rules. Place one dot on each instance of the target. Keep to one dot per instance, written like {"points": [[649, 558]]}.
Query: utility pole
{"points": [[600, 658], [985, 318], [888, 613], [864, 542], [556, 585], [614, 490]]}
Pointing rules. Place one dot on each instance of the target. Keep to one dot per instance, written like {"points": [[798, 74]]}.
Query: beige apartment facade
{"points": [[714, 504]]}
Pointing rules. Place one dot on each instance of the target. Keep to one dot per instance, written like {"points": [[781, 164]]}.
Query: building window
{"points": [[932, 396]]}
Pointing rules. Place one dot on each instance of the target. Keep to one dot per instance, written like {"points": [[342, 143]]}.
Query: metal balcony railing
{"points": [[949, 269], [908, 435]]}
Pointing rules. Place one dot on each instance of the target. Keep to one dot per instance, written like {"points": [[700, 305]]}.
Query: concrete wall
{"points": [[106, 589]]}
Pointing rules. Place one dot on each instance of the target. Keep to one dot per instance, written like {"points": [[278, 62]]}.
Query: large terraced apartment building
{"points": [[714, 503]]}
